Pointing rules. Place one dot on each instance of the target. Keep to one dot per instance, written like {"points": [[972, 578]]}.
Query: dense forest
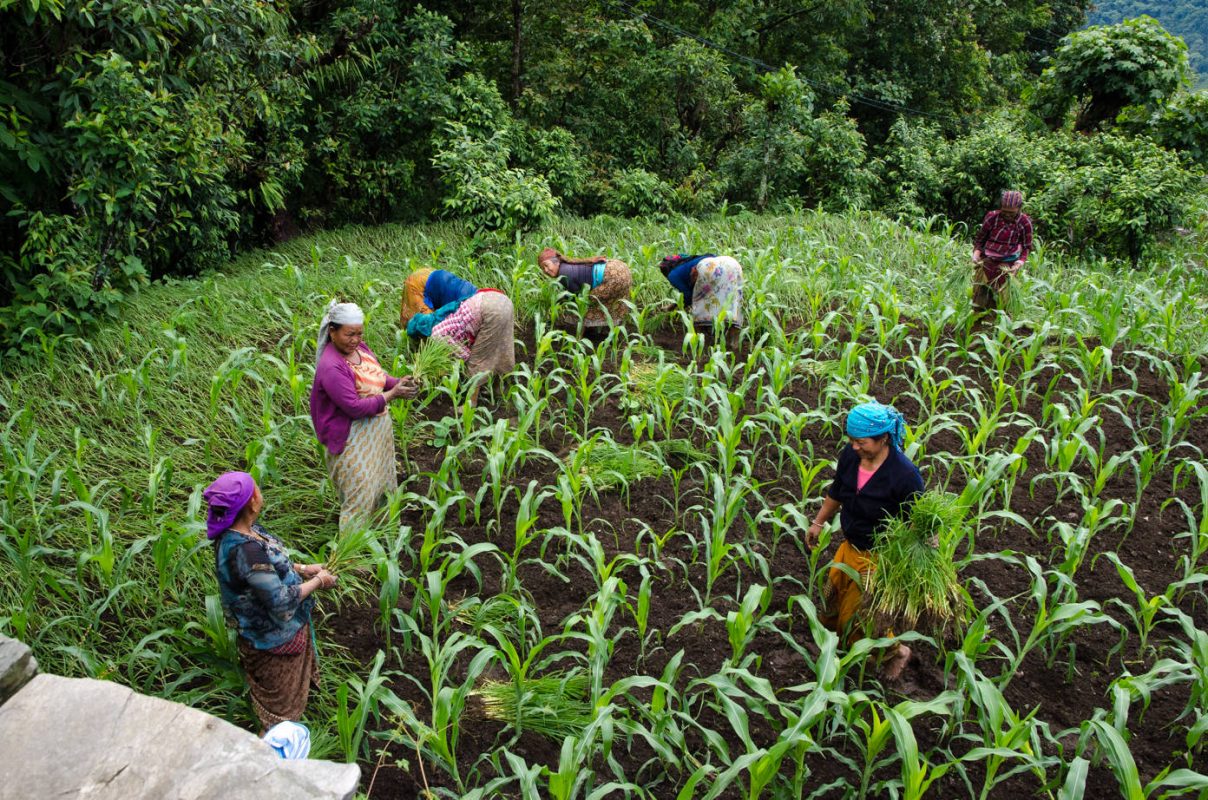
{"points": [[1186, 19], [140, 141]]}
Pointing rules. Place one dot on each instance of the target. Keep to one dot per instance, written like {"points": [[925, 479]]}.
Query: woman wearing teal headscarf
{"points": [[874, 482]]}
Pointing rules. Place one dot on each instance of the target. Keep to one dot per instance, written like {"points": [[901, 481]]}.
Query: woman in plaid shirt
{"points": [[481, 332], [999, 250]]}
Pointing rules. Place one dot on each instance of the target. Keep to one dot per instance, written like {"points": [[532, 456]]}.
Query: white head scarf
{"points": [[340, 314]]}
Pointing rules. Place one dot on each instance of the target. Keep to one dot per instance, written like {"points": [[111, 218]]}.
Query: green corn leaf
{"points": [[1075, 780]]}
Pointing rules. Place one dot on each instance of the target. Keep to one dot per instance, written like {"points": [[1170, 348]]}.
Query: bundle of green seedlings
{"points": [[351, 552], [433, 360], [648, 380], [553, 705], [914, 585], [609, 465], [682, 451]]}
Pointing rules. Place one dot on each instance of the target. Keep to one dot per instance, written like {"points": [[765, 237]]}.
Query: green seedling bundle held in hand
{"points": [[351, 551], [915, 583], [433, 360]]}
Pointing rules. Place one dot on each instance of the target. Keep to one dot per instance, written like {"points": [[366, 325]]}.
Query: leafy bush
{"points": [[786, 151], [146, 144], [636, 193], [555, 155], [910, 176], [482, 189], [54, 280], [1105, 68], [375, 109], [473, 148], [1181, 124], [1113, 195]]}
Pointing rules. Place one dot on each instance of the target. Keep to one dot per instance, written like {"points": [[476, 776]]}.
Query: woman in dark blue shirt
{"points": [[712, 289], [874, 482]]}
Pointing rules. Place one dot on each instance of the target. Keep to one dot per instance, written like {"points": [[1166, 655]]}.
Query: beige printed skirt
{"points": [[365, 471], [494, 348], [610, 298]]}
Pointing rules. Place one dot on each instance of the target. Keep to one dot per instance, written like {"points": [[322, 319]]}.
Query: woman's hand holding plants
{"points": [[407, 387]]}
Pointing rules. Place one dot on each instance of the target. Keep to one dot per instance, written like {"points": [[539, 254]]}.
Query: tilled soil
{"points": [[1064, 690]]}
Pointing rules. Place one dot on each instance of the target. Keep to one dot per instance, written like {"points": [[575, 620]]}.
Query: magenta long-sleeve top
{"points": [[334, 402]]}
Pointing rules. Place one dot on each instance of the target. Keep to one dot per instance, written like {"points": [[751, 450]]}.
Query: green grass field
{"points": [[679, 602]]}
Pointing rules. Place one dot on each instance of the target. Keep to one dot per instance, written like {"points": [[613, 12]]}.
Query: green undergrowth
{"points": [[107, 443]]}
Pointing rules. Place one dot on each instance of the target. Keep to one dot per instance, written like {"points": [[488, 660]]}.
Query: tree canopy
{"points": [[1185, 18], [143, 141]]}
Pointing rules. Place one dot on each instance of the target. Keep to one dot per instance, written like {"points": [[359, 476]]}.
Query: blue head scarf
{"points": [[873, 419]]}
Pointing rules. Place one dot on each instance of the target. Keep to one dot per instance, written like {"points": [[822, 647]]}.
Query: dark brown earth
{"points": [[1064, 692]]}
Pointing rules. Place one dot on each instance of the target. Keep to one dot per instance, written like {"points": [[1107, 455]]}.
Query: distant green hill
{"points": [[1186, 18]]}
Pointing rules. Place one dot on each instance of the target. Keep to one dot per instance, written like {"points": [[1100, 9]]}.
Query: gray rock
{"points": [[73, 737], [17, 665]]}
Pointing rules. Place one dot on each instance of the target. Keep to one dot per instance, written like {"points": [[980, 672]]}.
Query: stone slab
{"points": [[17, 666], [98, 740]]}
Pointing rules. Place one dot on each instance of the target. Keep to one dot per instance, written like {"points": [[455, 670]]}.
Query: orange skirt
{"points": [[844, 594]]}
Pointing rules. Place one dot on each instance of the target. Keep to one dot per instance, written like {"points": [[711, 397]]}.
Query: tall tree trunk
{"points": [[517, 54]]}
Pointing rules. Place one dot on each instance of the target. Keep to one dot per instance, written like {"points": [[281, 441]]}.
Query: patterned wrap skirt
{"points": [[364, 472], [843, 595], [609, 299], [990, 282], [717, 293], [280, 680], [494, 348]]}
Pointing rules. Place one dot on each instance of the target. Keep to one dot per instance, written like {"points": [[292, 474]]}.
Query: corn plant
{"points": [[742, 623], [352, 719]]}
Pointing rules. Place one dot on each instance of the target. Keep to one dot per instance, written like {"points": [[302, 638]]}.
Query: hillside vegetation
{"points": [[139, 142], [530, 624]]}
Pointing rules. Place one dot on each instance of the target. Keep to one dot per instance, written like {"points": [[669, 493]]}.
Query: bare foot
{"points": [[896, 664]]}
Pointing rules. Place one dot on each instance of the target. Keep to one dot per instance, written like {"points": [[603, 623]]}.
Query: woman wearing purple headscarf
{"points": [[874, 482], [267, 596]]}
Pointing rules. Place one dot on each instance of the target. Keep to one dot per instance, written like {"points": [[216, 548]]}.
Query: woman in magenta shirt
{"points": [[348, 408]]}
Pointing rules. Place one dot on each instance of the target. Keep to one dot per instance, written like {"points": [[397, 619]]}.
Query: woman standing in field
{"points": [[269, 598], [1000, 250], [480, 327], [608, 283], [712, 290], [348, 408], [874, 482]]}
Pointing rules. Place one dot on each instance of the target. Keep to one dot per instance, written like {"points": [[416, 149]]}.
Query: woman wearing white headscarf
{"points": [[348, 409]]}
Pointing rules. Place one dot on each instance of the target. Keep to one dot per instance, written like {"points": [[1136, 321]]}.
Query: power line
{"points": [[872, 102]]}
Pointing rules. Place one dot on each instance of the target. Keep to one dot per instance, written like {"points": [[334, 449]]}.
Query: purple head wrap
{"points": [[226, 497]]}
